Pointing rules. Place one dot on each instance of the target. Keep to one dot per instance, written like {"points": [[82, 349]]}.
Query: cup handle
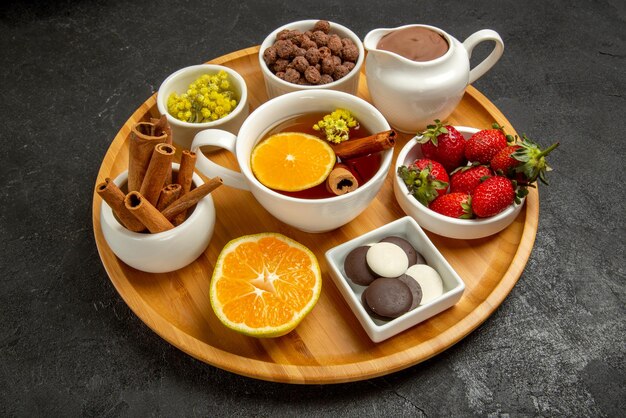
{"points": [[220, 139], [487, 63]]}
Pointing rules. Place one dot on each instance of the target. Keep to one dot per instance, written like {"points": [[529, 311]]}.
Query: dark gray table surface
{"points": [[73, 72]]}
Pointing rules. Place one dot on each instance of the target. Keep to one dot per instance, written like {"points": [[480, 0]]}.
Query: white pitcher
{"points": [[412, 94]]}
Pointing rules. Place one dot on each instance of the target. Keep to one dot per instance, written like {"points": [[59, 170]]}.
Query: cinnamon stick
{"points": [[367, 145], [145, 212], [162, 125], [169, 194], [184, 178], [143, 138], [156, 174], [341, 180], [111, 193], [189, 199]]}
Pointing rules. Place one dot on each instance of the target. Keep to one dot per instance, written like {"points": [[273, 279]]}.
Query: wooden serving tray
{"points": [[329, 346]]}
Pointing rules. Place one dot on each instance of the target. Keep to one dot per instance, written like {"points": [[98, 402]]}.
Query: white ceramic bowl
{"points": [[178, 82], [406, 227], [440, 224], [164, 251], [349, 84]]}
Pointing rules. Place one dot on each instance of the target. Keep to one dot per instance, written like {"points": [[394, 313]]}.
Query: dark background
{"points": [[73, 72]]}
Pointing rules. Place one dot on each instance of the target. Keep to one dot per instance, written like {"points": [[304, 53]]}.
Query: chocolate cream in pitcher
{"points": [[418, 73]]}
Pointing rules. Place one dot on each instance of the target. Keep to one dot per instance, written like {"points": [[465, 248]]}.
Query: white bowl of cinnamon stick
{"points": [[158, 216], [164, 251]]}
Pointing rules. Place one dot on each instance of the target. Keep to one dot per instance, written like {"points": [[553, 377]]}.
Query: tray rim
{"points": [[313, 374]]}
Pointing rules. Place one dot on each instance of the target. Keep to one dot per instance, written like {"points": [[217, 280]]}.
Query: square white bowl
{"points": [[406, 227]]}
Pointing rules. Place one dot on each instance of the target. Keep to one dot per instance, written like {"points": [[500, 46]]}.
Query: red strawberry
{"points": [[465, 179], [525, 161], [426, 179], [443, 144], [436, 170], [492, 196], [455, 205], [503, 163], [486, 143]]}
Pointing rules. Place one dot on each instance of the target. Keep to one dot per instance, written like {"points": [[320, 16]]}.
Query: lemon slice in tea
{"points": [[292, 161]]}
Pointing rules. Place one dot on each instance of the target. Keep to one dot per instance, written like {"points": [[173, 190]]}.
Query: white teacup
{"points": [[184, 132], [310, 215]]}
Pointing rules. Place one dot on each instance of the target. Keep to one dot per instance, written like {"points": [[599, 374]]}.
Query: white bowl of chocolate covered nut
{"points": [[311, 54]]}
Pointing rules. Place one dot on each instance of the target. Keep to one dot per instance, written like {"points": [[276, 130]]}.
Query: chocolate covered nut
{"points": [[269, 55], [356, 267], [284, 48], [326, 78], [328, 65], [339, 72], [323, 25], [324, 52], [388, 297], [294, 36], [412, 254], [416, 289], [350, 53], [312, 75], [307, 43], [292, 75], [280, 65], [313, 55], [300, 64], [334, 44], [428, 279], [282, 34], [320, 38], [387, 259], [349, 65]]}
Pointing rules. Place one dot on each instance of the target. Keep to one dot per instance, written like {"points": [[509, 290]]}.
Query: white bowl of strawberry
{"points": [[466, 183]]}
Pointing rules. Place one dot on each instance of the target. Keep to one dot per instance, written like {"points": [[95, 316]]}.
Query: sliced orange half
{"points": [[263, 285], [292, 161]]}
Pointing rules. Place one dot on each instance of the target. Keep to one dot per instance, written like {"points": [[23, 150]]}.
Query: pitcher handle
{"points": [[220, 139], [492, 58]]}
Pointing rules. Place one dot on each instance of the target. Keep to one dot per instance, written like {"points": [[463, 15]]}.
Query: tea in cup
{"points": [[310, 213]]}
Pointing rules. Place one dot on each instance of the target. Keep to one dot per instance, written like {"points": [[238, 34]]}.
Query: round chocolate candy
{"points": [[416, 289], [356, 267], [369, 310], [428, 279], [388, 297], [387, 259], [412, 254]]}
